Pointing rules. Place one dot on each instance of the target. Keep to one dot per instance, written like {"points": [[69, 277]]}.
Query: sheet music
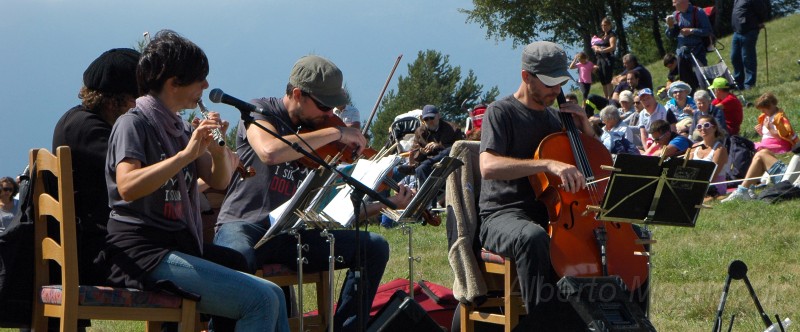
{"points": [[283, 217], [371, 174]]}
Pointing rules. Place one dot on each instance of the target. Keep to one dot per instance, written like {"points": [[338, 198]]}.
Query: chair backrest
{"points": [[55, 206]]}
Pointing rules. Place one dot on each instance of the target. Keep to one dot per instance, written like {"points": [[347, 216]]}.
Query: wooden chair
{"points": [[69, 301], [486, 284], [283, 276]]}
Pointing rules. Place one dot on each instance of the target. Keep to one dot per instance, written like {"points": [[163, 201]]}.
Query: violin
{"points": [[348, 153], [581, 245]]}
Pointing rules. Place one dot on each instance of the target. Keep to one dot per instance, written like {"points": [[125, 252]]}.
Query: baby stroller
{"points": [[404, 124], [706, 74]]}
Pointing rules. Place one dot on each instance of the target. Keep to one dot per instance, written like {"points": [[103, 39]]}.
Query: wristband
{"points": [[341, 133]]}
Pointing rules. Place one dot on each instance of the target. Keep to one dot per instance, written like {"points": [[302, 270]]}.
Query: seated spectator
{"points": [[729, 104], [626, 108], [652, 111], [712, 148], [349, 115], [671, 62], [432, 141], [773, 125], [633, 120], [631, 83], [680, 104], [666, 142], [571, 97], [704, 108], [616, 136], [763, 161], [9, 206], [630, 63]]}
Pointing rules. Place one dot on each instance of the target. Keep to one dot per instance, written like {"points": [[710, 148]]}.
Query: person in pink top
{"points": [[729, 104], [585, 69]]}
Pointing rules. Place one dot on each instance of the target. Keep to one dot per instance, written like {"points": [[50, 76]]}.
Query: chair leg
{"points": [[39, 321], [467, 325], [188, 316], [150, 326]]}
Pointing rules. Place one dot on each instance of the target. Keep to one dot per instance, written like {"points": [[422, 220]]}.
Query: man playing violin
{"points": [[315, 86], [512, 218]]}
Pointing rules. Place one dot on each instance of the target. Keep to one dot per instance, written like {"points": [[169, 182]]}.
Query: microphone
{"points": [[217, 96]]}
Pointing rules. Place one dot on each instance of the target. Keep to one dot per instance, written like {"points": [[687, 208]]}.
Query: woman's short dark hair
{"points": [[669, 58], [170, 55], [12, 182]]}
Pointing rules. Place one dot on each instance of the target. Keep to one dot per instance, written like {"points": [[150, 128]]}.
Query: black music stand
{"points": [[651, 190]]}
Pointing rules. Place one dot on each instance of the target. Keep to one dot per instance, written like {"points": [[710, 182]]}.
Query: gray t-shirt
{"points": [[251, 199], [133, 137], [511, 129]]}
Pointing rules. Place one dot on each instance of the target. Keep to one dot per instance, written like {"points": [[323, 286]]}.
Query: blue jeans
{"points": [[242, 236], [256, 304], [743, 58]]}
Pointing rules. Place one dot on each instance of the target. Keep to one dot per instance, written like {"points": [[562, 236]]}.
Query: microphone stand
{"points": [[357, 196]]}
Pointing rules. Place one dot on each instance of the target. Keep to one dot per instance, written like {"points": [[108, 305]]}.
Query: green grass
{"points": [[689, 264]]}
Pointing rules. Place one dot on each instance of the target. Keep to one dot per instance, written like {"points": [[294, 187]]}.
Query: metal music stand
{"points": [[652, 190], [413, 212]]}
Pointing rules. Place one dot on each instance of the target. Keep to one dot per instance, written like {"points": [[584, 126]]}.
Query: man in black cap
{"points": [[314, 88], [512, 217], [432, 142], [109, 90]]}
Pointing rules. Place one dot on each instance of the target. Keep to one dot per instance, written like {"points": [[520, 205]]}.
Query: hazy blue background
{"points": [[251, 45]]}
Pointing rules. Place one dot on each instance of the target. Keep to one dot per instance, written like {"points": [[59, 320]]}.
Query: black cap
{"points": [[114, 71]]}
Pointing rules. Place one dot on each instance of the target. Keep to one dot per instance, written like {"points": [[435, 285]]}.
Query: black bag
{"points": [[781, 191], [740, 155], [16, 262]]}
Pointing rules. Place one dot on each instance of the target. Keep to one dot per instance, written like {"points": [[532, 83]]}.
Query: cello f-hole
{"points": [[571, 223]]}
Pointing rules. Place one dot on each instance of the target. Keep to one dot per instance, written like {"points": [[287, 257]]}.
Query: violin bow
{"points": [[380, 97]]}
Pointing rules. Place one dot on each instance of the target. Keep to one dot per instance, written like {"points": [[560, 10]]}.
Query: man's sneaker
{"points": [[739, 195]]}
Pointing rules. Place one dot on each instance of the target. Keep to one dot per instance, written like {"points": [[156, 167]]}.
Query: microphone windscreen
{"points": [[737, 270], [216, 95]]}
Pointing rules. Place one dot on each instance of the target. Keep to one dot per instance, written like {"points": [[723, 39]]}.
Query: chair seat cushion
{"points": [[276, 270], [112, 297], [490, 257]]}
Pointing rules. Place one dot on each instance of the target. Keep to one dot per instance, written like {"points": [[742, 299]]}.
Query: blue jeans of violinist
{"points": [[242, 236]]}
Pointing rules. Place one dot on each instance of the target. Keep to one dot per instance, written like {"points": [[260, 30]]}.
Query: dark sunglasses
{"points": [[320, 105], [704, 125], [8, 189]]}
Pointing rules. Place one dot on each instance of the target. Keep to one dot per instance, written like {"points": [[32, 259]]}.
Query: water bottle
{"points": [[776, 328]]}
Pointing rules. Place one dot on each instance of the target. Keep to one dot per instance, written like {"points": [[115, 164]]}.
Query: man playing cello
{"points": [[512, 218]]}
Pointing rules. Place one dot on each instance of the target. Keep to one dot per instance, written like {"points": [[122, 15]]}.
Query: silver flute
{"points": [[216, 133]]}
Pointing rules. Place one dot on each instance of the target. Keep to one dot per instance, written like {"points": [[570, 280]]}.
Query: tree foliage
{"points": [[431, 80], [639, 24]]}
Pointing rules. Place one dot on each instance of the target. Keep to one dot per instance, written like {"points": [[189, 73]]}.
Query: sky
{"points": [[251, 46]]}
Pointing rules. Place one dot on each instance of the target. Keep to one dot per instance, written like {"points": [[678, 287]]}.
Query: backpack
{"points": [[16, 262], [708, 43], [740, 155], [781, 191]]}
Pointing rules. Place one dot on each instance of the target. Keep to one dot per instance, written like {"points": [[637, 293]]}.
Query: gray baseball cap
{"points": [[547, 61], [319, 77]]}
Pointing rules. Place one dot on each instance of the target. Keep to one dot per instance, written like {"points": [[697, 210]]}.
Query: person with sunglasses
{"points": [[314, 88], [432, 142], [9, 206], [712, 148]]}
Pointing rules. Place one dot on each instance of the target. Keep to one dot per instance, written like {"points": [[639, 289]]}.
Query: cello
{"points": [[581, 245]]}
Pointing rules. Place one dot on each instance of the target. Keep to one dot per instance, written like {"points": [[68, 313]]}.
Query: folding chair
{"points": [[70, 301]]}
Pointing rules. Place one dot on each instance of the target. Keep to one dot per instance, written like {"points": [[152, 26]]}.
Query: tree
{"points": [[431, 80], [568, 22]]}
